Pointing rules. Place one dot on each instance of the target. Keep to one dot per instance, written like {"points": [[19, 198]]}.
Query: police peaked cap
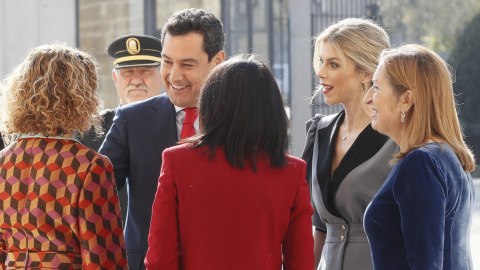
{"points": [[135, 51]]}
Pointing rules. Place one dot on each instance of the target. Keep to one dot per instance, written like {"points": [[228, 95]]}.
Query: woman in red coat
{"points": [[230, 198]]}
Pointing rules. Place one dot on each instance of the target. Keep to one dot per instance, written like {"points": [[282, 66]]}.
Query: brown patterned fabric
{"points": [[58, 208]]}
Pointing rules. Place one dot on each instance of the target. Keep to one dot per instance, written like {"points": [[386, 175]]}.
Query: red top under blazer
{"points": [[208, 214]]}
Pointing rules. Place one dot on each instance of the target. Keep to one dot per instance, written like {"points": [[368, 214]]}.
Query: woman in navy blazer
{"points": [[230, 198], [421, 216]]}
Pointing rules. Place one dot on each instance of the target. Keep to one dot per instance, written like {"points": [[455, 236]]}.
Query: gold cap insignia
{"points": [[133, 45]]}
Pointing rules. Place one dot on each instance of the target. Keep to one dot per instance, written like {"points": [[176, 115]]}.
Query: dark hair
{"points": [[241, 108], [200, 21]]}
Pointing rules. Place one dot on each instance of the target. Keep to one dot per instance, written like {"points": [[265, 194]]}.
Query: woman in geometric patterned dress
{"points": [[58, 202]]}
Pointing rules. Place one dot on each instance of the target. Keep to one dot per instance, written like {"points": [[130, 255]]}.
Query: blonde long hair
{"points": [[433, 113], [360, 40], [53, 92]]}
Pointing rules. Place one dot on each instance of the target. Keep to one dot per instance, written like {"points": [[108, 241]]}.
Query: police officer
{"points": [[136, 72]]}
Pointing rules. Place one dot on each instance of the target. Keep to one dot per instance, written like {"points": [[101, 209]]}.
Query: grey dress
{"points": [[340, 202]]}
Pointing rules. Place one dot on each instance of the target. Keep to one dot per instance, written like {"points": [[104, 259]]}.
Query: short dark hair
{"points": [[200, 21], [241, 108]]}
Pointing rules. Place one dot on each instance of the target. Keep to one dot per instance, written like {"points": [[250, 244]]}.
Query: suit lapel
{"points": [[324, 162], [325, 126], [162, 123], [368, 143]]}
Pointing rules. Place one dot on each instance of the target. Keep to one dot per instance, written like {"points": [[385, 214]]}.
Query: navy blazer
{"points": [[134, 144], [421, 217], [91, 139]]}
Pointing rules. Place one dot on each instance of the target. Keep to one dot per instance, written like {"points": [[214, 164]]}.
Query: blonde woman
{"points": [[347, 160], [59, 207], [421, 217]]}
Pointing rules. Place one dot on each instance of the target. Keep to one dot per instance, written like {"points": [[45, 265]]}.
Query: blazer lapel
{"points": [[162, 123], [368, 143], [315, 185]]}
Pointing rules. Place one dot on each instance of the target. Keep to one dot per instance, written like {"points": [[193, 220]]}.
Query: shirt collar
{"points": [[40, 135], [177, 109]]}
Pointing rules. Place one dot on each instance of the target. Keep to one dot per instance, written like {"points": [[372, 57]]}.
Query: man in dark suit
{"points": [[136, 73], [193, 43]]}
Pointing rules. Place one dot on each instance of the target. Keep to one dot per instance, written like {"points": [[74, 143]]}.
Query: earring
{"points": [[403, 116]]}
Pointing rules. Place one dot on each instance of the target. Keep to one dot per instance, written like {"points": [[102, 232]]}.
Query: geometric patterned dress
{"points": [[58, 207]]}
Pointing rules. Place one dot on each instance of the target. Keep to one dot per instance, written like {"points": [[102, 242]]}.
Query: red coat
{"points": [[209, 215]]}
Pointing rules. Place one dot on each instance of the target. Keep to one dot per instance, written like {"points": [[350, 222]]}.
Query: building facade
{"points": [[280, 32], [29, 23]]}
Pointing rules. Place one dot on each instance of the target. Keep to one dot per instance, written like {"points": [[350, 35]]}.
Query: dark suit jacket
{"points": [[1, 142], [134, 144], [208, 214], [90, 139]]}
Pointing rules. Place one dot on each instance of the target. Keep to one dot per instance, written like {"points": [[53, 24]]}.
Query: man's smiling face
{"points": [[184, 68]]}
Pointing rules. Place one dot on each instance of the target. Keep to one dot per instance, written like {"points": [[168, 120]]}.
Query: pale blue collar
{"points": [[40, 135]]}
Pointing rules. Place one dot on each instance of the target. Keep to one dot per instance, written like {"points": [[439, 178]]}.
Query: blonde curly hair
{"points": [[52, 92]]}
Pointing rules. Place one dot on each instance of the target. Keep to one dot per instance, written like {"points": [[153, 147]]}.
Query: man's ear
{"points": [[114, 76], [219, 58]]}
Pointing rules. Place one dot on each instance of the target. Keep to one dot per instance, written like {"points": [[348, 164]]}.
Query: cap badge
{"points": [[133, 45]]}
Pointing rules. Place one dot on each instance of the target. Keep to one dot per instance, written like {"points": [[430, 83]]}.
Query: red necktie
{"points": [[188, 130]]}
